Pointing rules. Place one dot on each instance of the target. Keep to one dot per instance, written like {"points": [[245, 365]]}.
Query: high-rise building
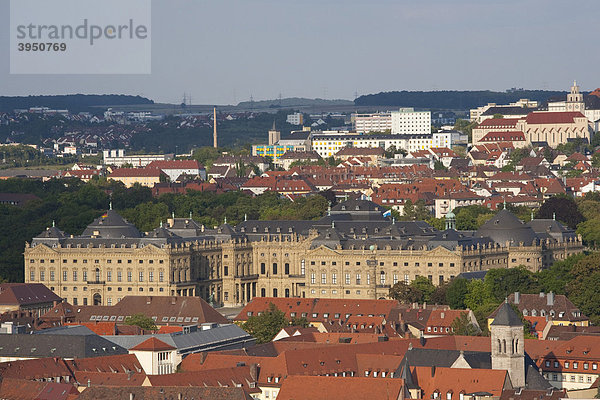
{"points": [[375, 122], [409, 121]]}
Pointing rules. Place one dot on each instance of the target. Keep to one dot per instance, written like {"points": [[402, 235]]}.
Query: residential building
{"points": [[143, 176], [375, 122], [289, 157], [156, 357], [326, 387], [408, 121], [30, 297], [327, 145], [572, 364], [296, 118], [79, 343], [557, 307], [505, 110], [119, 159], [164, 311], [175, 168]]}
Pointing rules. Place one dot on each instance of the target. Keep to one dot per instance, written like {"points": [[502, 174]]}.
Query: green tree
{"points": [[264, 327], [439, 166], [424, 286], [408, 210], [439, 294], [477, 295], [467, 217], [141, 320], [465, 126], [463, 326], [456, 292], [405, 293], [437, 223], [500, 282], [299, 321], [596, 160], [564, 208], [206, 155]]}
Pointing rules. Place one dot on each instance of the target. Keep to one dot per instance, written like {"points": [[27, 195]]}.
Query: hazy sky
{"points": [[222, 51]]}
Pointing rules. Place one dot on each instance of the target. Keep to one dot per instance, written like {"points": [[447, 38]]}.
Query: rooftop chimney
{"points": [[550, 299], [517, 297], [254, 371]]}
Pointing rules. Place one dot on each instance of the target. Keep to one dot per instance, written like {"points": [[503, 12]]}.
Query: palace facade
{"points": [[352, 252]]}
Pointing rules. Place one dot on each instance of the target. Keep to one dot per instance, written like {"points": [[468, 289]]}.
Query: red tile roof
{"points": [[120, 363], [567, 117], [505, 123], [328, 387], [20, 294], [458, 380], [20, 389], [174, 164], [168, 310], [238, 376], [503, 136], [135, 172], [109, 378], [153, 344], [316, 309]]}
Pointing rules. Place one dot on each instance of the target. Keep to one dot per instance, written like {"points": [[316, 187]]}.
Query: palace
{"points": [[352, 252]]}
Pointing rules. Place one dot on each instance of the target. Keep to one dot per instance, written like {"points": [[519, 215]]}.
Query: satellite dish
{"points": [[372, 247]]}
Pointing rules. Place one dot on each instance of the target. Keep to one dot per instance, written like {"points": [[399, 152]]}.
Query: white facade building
{"points": [[295, 119], [118, 158], [376, 122], [408, 121], [327, 145]]}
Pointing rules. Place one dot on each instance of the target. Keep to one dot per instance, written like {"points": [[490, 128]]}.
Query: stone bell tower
{"points": [[508, 344]]}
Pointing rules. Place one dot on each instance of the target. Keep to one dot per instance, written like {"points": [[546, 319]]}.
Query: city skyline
{"points": [[228, 51]]}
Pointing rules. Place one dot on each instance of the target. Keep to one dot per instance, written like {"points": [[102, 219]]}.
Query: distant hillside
{"points": [[293, 102], [71, 102], [452, 100]]}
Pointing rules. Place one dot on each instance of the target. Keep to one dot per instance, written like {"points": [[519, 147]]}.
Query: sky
{"points": [[224, 51]]}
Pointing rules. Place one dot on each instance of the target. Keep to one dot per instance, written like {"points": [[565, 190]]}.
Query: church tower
{"points": [[575, 99], [508, 344], [274, 135]]}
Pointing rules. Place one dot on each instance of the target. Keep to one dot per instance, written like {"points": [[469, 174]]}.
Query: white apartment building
{"points": [[295, 119], [407, 121], [118, 158], [475, 113], [375, 122], [327, 145]]}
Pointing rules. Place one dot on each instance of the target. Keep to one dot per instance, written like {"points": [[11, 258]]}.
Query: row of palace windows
{"points": [[85, 261], [109, 289], [97, 275], [274, 268], [358, 278], [382, 263]]}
